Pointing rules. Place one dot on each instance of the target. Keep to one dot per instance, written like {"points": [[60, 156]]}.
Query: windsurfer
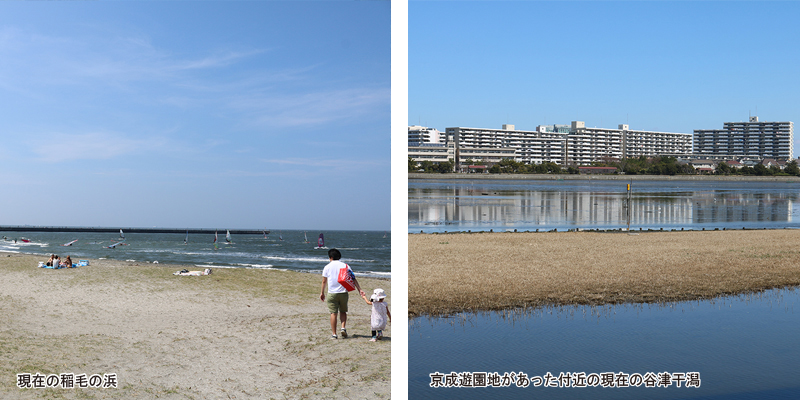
{"points": [[337, 294]]}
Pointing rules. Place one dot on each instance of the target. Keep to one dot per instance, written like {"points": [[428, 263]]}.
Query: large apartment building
{"points": [[751, 139], [574, 144], [528, 146]]}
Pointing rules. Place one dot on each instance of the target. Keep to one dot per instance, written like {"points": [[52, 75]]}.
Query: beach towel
{"points": [[347, 279]]}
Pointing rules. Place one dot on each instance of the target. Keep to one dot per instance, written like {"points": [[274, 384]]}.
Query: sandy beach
{"points": [[490, 271], [237, 333]]}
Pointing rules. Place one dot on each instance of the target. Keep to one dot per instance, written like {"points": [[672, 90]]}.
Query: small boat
{"points": [[23, 240], [320, 242]]}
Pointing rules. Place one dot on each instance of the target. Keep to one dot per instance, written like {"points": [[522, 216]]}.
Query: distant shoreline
{"points": [[73, 229], [565, 177]]}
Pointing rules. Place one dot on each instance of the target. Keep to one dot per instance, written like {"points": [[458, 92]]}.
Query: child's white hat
{"points": [[378, 294]]}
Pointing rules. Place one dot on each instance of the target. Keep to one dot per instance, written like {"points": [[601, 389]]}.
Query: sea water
{"points": [[367, 252], [742, 347], [483, 205]]}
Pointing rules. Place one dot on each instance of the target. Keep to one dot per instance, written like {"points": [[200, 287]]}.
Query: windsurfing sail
{"points": [[228, 237], [321, 241], [113, 246], [186, 241], [121, 235], [215, 241], [280, 236], [305, 235], [70, 243]]}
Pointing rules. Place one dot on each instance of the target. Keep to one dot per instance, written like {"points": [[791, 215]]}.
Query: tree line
{"points": [[661, 165]]}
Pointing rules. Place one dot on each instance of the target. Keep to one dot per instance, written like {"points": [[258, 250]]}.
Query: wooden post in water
{"points": [[629, 206]]}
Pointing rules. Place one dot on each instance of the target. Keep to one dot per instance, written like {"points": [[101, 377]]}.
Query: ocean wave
{"points": [[374, 274], [259, 266], [308, 259], [242, 266]]}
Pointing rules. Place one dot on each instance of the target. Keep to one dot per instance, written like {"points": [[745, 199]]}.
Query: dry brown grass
{"points": [[490, 271]]}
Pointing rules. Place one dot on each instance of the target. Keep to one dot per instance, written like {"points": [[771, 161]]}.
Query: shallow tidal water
{"points": [[742, 347], [483, 205]]}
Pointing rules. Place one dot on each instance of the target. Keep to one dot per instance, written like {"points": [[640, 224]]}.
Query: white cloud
{"points": [[325, 163], [308, 109], [61, 147]]}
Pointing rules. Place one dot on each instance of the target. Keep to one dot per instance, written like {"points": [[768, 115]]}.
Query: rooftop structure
{"points": [[418, 135]]}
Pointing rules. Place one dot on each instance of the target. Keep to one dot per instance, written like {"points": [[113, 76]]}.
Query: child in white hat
{"points": [[380, 313]]}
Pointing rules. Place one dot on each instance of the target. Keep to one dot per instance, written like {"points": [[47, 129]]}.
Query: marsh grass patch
{"points": [[497, 271]]}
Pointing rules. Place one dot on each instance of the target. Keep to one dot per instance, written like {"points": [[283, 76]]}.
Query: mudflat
{"points": [[237, 333], [457, 272]]}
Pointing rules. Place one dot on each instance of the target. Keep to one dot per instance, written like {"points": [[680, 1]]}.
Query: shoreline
{"points": [[475, 272], [104, 261], [566, 177], [235, 333]]}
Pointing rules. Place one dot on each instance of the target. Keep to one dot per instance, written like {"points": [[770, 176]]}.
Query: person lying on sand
{"points": [[186, 272]]}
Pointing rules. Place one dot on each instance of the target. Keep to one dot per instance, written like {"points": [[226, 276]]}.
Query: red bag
{"points": [[347, 279]]}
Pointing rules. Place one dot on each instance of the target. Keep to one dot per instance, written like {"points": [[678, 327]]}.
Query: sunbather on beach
{"points": [[67, 263], [49, 262], [193, 273]]}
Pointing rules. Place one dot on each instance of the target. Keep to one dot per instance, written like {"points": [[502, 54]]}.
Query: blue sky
{"points": [[665, 66], [195, 114]]}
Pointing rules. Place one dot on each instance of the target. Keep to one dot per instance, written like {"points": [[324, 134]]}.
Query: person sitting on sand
{"points": [[186, 272], [57, 262], [49, 262], [67, 262], [380, 313]]}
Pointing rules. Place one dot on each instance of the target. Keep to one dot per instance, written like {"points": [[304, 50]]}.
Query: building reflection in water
{"points": [[464, 207]]}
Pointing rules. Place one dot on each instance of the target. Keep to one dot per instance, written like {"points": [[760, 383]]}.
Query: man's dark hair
{"points": [[334, 254]]}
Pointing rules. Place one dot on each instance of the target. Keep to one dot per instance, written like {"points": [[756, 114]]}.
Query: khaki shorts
{"points": [[337, 302]]}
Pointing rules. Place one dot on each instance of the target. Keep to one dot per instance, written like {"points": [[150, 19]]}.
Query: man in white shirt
{"points": [[337, 294]]}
